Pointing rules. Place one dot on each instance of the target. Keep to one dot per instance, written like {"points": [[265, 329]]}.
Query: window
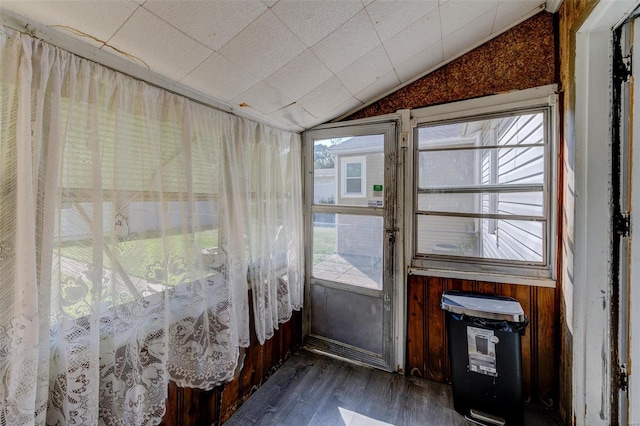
{"points": [[354, 172], [482, 192]]}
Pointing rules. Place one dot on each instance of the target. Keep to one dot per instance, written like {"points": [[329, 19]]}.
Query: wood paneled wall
{"points": [[186, 406], [427, 344]]}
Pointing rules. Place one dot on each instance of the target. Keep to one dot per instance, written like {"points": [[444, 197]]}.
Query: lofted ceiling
{"points": [[288, 63]]}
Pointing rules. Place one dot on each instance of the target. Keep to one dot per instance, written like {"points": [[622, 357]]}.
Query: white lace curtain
{"points": [[130, 222]]}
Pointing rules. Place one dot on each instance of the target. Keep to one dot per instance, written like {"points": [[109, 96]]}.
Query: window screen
{"points": [[481, 189]]}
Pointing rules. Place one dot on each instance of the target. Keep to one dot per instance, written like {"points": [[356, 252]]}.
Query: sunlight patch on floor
{"points": [[351, 418]]}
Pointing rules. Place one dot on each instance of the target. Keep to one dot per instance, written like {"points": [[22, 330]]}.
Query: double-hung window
{"points": [[354, 174], [484, 192]]}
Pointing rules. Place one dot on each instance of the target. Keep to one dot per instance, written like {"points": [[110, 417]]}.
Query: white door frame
{"points": [[592, 259]]}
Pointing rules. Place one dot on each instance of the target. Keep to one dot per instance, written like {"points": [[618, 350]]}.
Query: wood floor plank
{"points": [[345, 398], [314, 390], [276, 389]]}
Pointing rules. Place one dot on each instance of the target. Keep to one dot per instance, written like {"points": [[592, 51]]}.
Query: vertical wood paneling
{"points": [[461, 285], [172, 408], [547, 366], [269, 355], [436, 338], [191, 407], [229, 400], [416, 327], [427, 351], [484, 288]]}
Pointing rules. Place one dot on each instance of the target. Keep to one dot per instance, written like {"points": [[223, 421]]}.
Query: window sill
{"points": [[485, 276]]}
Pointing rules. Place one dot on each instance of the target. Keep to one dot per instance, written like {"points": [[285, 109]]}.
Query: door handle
{"points": [[391, 234]]}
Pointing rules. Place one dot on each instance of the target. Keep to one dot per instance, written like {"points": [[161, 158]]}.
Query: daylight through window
{"points": [[482, 190]]}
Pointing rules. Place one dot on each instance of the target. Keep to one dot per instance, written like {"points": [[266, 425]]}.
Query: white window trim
{"points": [[460, 268], [362, 160]]}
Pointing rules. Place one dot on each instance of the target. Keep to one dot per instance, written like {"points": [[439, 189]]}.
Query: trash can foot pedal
{"points": [[484, 419]]}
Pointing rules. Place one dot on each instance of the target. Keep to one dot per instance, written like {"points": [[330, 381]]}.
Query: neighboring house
{"points": [[359, 169], [440, 170], [359, 165], [324, 186], [133, 217]]}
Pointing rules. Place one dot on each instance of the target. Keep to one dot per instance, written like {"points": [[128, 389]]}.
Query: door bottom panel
{"points": [[347, 352]]}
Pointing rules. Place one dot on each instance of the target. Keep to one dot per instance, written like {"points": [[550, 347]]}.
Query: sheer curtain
{"points": [[276, 261], [129, 218]]}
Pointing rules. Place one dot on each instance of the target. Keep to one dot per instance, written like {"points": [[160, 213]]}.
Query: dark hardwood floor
{"points": [[311, 389]]}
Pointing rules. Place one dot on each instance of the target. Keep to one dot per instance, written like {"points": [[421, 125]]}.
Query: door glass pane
{"points": [[349, 171], [348, 249]]}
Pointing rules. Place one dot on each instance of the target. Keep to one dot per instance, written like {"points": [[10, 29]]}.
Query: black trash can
{"points": [[485, 355]]}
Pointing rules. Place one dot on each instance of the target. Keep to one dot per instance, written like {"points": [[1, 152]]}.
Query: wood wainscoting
{"points": [[186, 406], [427, 345]]}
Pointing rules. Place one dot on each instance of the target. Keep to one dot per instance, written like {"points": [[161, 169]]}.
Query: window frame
{"points": [[499, 270], [344, 162]]}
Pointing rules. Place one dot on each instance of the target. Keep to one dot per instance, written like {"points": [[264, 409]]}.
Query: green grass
{"points": [[139, 257], [324, 243], [135, 255]]}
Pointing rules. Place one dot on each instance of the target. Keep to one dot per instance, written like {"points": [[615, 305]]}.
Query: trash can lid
{"points": [[483, 306]]}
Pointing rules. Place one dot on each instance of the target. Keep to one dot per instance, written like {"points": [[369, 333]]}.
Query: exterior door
{"points": [[350, 203]]}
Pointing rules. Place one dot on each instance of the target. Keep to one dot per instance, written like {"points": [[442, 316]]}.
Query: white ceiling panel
{"points": [[293, 63], [220, 78], [348, 43], [213, 23], [98, 20], [391, 17], [512, 11], [418, 64], [325, 98], [313, 20], [163, 48], [262, 98], [411, 41], [471, 34], [362, 72], [263, 47], [456, 14], [296, 117], [300, 76], [347, 106], [379, 87]]}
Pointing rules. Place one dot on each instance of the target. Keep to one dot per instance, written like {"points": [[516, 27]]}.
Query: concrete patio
{"points": [[362, 271]]}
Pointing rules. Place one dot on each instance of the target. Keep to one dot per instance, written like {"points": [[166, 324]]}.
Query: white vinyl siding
{"points": [[523, 240]]}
